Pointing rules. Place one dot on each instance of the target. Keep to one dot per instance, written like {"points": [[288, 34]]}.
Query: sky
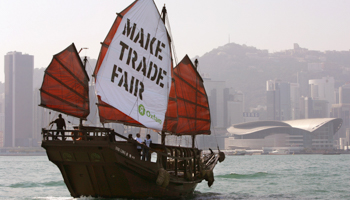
{"points": [[43, 28]]}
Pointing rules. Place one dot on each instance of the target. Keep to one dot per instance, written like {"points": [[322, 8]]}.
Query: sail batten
{"points": [[72, 74], [191, 102], [192, 118], [104, 44], [65, 86], [189, 84], [63, 101]]}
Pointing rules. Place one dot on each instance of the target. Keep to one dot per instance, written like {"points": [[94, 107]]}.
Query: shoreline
{"points": [[22, 151]]}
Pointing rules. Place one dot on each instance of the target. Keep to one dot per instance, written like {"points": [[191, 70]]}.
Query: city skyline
{"points": [[227, 105], [44, 28]]}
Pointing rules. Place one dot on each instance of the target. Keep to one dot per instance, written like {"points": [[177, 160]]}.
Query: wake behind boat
{"points": [[136, 85]]}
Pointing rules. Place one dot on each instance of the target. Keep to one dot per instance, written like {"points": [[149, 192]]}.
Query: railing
{"points": [[181, 162], [76, 135]]}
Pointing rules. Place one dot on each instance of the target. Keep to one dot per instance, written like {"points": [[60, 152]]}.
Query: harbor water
{"points": [[238, 177]]}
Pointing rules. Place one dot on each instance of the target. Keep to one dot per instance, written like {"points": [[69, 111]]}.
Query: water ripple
{"points": [[33, 184], [299, 177], [243, 176]]}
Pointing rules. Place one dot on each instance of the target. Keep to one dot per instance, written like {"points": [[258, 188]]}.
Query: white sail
{"points": [[135, 76]]}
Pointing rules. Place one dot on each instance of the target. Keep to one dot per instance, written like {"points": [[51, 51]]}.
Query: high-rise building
{"points": [[303, 81], [18, 99], [344, 94], [294, 100], [226, 104], [342, 110], [215, 92], [323, 89], [278, 100], [234, 106], [270, 105]]}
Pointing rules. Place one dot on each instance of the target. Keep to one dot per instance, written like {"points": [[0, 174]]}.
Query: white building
{"points": [[18, 99], [323, 89], [312, 134]]}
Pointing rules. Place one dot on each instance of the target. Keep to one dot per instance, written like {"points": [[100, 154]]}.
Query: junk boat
{"points": [[136, 85]]}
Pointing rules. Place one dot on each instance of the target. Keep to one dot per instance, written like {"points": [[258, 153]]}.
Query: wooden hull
{"points": [[111, 169]]}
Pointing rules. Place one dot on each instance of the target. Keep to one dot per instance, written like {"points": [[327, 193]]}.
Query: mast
{"points": [[193, 141], [163, 138], [85, 61], [163, 19], [164, 13], [196, 63], [194, 136]]}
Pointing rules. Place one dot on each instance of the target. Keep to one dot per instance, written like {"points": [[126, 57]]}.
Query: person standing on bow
{"points": [[146, 154], [139, 140], [60, 124]]}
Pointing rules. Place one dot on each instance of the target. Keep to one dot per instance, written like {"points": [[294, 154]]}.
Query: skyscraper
{"points": [[294, 100], [344, 94], [278, 100], [342, 110], [303, 81], [233, 107], [323, 89], [18, 99], [215, 92]]}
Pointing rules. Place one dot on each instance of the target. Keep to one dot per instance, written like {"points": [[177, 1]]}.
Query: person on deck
{"points": [[139, 140], [60, 124], [146, 155], [130, 137]]}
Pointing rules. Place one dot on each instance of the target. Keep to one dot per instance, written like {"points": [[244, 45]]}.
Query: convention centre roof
{"points": [[268, 127]]}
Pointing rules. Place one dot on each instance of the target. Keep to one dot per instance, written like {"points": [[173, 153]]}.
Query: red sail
{"points": [[171, 118], [65, 86], [192, 101], [110, 114]]}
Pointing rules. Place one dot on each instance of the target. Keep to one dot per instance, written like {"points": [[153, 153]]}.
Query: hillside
{"points": [[247, 69]]}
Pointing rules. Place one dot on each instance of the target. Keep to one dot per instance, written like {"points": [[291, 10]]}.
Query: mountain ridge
{"points": [[247, 68]]}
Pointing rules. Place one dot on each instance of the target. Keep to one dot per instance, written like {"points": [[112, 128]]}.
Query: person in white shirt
{"points": [[139, 140], [146, 155]]}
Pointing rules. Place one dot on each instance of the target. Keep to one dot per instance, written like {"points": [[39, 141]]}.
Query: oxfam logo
{"points": [[142, 110]]}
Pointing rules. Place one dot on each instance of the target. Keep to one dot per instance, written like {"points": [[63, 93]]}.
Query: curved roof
{"points": [[309, 125], [250, 125], [315, 123]]}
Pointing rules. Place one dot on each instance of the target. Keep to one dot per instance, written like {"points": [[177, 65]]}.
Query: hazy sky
{"points": [[45, 27]]}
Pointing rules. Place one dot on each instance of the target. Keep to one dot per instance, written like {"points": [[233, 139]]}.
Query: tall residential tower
{"points": [[18, 99]]}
